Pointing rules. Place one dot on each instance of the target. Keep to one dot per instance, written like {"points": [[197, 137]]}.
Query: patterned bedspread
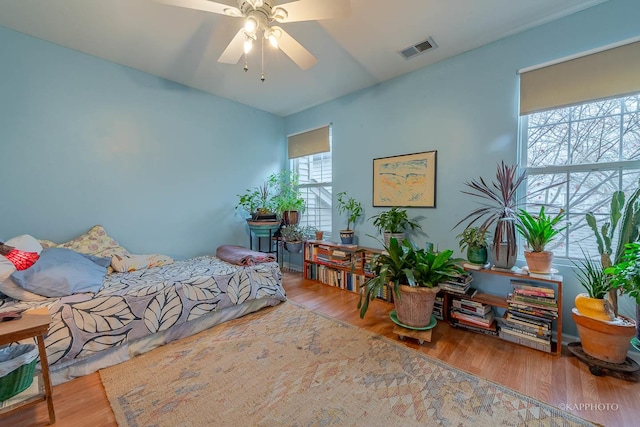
{"points": [[139, 303]]}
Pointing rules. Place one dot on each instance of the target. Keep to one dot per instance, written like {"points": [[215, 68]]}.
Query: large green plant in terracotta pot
{"points": [[625, 276], [413, 275]]}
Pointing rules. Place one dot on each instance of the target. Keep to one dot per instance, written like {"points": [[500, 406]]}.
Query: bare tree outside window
{"points": [[594, 148]]}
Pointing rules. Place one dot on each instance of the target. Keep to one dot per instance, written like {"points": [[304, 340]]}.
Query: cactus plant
{"points": [[627, 216]]}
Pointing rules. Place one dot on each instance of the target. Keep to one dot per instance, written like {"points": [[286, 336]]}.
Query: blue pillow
{"points": [[61, 271]]}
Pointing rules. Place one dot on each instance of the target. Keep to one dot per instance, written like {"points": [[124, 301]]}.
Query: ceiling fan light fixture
{"points": [[279, 14], [248, 44], [273, 41], [250, 24]]}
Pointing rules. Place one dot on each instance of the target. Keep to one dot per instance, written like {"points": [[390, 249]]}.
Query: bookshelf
{"points": [[335, 264], [551, 285]]}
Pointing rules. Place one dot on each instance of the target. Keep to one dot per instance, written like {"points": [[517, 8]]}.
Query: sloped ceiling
{"points": [[353, 53]]}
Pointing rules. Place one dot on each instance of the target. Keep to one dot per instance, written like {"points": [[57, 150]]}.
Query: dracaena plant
{"points": [[498, 207]]}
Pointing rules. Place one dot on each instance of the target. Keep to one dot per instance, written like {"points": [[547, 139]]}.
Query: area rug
{"points": [[290, 366]]}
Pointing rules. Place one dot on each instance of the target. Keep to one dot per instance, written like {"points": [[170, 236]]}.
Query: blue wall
{"points": [[466, 108], [84, 141]]}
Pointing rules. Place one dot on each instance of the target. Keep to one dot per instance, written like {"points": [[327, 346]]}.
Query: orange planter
{"points": [[608, 341]]}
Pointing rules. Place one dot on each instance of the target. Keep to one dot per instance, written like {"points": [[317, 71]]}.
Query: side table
{"points": [[32, 324]]}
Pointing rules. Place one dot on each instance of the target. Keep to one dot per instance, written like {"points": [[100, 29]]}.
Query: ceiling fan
{"points": [[258, 17]]}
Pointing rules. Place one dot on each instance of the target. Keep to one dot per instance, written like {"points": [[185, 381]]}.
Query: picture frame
{"points": [[407, 180]]}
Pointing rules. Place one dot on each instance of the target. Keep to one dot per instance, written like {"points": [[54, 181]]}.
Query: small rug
{"points": [[290, 366]]}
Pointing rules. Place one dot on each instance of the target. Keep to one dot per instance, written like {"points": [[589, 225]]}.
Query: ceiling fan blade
{"points": [[311, 10], [295, 50], [235, 49], [228, 7]]}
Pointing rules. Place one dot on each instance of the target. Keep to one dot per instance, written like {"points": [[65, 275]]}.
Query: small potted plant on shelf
{"points": [[353, 209], [538, 231], [293, 236], [413, 275], [474, 241], [393, 223]]}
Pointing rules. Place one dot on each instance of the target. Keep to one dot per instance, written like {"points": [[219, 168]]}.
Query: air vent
{"points": [[418, 48]]}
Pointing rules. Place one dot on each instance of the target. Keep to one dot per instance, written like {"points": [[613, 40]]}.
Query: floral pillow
{"points": [[96, 242]]}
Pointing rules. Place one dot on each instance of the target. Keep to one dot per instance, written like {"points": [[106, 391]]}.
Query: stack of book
{"points": [[458, 285], [340, 258], [528, 320], [438, 307], [473, 315]]}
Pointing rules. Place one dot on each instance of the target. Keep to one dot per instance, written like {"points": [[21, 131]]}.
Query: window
{"points": [[310, 159], [594, 149]]}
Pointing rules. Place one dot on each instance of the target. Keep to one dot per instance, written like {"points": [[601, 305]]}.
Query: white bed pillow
{"points": [[26, 243]]}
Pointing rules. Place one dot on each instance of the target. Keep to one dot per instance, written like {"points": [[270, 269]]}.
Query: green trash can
{"points": [[17, 366]]}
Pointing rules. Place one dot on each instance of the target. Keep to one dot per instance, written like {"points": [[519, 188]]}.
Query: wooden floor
{"points": [[562, 381]]}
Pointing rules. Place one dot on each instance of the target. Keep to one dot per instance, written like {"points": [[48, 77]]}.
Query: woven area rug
{"points": [[290, 366]]}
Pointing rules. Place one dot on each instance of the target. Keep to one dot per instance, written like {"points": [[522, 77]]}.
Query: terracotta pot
{"points": [[608, 341], [539, 262], [415, 305], [291, 217]]}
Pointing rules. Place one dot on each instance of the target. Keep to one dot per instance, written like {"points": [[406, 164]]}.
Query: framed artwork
{"points": [[407, 180]]}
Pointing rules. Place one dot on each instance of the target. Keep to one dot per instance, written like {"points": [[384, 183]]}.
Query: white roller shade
{"points": [[311, 142], [605, 74]]}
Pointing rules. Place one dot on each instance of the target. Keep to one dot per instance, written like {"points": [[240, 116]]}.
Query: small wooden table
{"points": [[33, 324]]}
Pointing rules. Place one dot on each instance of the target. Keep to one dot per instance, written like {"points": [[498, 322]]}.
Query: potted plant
{"points": [[499, 208], [258, 202], [353, 209], [538, 231], [474, 241], [414, 275], [293, 236], [288, 199], [393, 223], [626, 276], [624, 218], [603, 335], [593, 279]]}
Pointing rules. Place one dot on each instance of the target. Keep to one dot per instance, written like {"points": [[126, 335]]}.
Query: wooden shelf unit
{"points": [[501, 301], [335, 264]]}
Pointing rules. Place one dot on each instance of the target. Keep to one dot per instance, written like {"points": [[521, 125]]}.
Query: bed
{"points": [[135, 311]]}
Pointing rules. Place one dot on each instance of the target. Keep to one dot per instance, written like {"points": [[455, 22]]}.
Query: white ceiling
{"points": [[353, 53]]}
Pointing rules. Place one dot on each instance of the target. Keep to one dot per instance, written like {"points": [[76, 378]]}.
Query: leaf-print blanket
{"points": [[136, 304]]}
